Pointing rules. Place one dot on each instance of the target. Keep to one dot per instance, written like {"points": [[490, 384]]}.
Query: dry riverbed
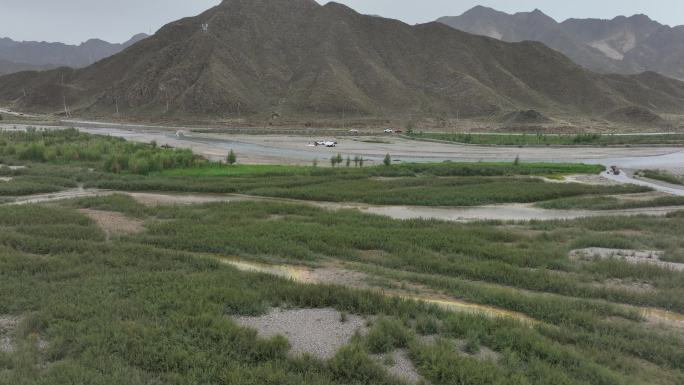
{"points": [[8, 324]]}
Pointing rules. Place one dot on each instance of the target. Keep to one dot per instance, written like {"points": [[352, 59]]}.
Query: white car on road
{"points": [[326, 143]]}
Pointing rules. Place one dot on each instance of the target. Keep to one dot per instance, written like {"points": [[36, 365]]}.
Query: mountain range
{"points": [[624, 45], [18, 56], [297, 58], [9, 67]]}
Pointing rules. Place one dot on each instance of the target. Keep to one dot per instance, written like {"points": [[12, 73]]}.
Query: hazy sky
{"points": [[74, 21]]}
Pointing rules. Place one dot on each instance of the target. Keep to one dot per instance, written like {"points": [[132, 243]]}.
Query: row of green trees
{"points": [[357, 160], [338, 159]]}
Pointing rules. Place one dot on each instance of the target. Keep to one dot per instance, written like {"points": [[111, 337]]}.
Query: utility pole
{"points": [[66, 110], [163, 89], [344, 119]]}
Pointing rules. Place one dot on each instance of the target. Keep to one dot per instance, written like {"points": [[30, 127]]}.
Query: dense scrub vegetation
{"points": [[476, 252], [153, 308], [156, 307], [554, 140], [365, 188], [105, 153]]}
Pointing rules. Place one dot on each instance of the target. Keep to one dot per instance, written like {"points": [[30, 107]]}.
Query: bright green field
{"points": [[237, 170], [438, 169]]}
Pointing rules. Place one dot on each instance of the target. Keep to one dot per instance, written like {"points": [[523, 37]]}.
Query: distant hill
{"points": [[296, 58], [8, 67], [18, 56], [625, 45]]}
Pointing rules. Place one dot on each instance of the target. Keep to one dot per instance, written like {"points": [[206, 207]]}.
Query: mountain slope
{"points": [[32, 55], [614, 38], [8, 67], [622, 45], [662, 51], [297, 58], [534, 26]]}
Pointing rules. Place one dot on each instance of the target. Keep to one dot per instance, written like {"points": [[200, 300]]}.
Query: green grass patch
{"points": [[396, 190], [661, 176], [104, 153], [27, 185], [553, 140], [218, 170], [411, 169]]}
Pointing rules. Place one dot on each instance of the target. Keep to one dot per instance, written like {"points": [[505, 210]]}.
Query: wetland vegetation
{"points": [[158, 305], [155, 306]]}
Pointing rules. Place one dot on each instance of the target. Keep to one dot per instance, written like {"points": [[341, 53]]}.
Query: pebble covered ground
{"points": [[651, 257], [318, 332], [402, 367], [7, 325]]}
